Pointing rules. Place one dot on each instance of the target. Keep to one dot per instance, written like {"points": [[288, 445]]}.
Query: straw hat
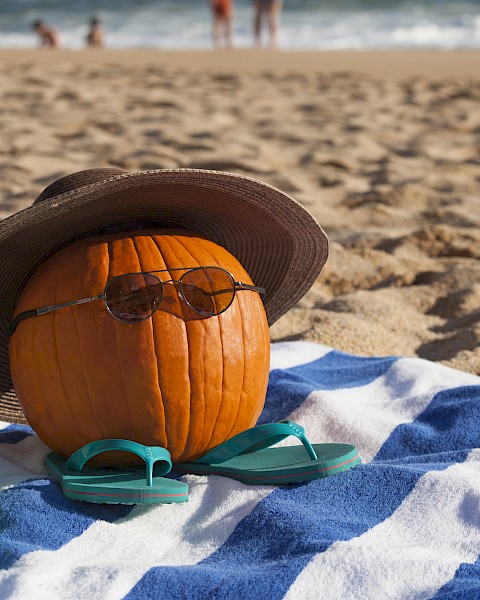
{"points": [[277, 241]]}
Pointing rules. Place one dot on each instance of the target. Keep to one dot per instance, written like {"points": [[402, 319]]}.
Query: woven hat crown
{"points": [[77, 180]]}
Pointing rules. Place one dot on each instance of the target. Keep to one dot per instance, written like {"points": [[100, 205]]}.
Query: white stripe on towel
{"points": [[285, 355], [411, 554]]}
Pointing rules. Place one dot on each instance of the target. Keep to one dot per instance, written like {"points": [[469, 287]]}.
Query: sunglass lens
{"points": [[133, 297], [208, 291]]}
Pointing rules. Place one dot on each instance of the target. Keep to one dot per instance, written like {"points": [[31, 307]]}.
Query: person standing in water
{"points": [[222, 22], [267, 10]]}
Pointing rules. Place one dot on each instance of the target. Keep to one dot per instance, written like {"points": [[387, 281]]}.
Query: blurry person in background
{"points": [[95, 36], [268, 10], [48, 36], [222, 22]]}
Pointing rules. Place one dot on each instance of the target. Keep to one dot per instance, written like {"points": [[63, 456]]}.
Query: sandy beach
{"points": [[382, 147]]}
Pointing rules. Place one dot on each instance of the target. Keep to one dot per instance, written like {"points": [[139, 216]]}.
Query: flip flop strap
{"points": [[150, 454], [257, 438]]}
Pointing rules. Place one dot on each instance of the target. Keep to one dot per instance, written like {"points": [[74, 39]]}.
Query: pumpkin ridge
{"points": [[98, 422], [167, 239], [266, 337], [155, 350], [213, 262], [44, 405], [14, 344], [127, 403], [179, 241], [207, 445], [60, 374], [229, 435]]}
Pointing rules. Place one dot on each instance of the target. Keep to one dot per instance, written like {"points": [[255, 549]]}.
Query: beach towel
{"points": [[403, 524]]}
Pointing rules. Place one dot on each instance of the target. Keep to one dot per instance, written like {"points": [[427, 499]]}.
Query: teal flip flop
{"points": [[249, 458], [117, 485]]}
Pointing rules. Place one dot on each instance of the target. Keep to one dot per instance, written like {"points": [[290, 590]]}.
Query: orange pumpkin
{"points": [[184, 384]]}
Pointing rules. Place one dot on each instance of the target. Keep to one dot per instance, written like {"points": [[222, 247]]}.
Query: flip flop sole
{"points": [[111, 486], [281, 465]]}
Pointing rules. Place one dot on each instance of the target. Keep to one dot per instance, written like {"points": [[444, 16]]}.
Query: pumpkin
{"points": [[186, 384]]}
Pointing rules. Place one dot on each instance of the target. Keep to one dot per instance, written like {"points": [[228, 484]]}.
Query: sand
{"points": [[383, 148]]}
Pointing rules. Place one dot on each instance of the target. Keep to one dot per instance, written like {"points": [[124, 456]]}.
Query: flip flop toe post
{"points": [[248, 457], [117, 485]]}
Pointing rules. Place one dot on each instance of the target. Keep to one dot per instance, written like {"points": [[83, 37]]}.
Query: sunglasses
{"points": [[134, 297]]}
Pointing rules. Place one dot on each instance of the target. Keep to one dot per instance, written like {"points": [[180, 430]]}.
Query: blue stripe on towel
{"points": [[26, 528], [17, 427], [451, 421], [464, 586], [14, 433], [288, 388], [13, 436]]}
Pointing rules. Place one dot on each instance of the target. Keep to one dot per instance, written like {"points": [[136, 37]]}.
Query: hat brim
{"points": [[277, 241]]}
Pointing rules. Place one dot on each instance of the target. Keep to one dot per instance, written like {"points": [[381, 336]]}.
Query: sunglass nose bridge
{"points": [[169, 296], [173, 303]]}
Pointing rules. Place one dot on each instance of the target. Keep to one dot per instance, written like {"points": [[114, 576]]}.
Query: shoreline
{"points": [[392, 64]]}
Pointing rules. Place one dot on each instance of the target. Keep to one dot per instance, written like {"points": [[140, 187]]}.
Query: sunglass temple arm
{"points": [[245, 286], [46, 309]]}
